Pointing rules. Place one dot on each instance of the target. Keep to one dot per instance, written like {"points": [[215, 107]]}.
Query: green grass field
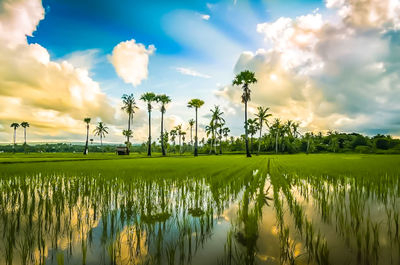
{"points": [[318, 164]]}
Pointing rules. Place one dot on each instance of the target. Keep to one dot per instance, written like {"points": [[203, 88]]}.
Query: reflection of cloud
{"points": [[329, 74]]}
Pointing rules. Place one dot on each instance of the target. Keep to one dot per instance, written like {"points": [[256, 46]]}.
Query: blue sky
{"points": [[70, 26]]}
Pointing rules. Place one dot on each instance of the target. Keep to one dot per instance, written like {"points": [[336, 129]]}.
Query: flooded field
{"points": [[252, 213]]}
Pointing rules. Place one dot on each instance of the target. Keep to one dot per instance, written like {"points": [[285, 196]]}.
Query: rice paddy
{"points": [[284, 209]]}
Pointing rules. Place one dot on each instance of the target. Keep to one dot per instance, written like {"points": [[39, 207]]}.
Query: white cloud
{"points": [[52, 96], [18, 19], [130, 60], [191, 72], [205, 17], [328, 74]]}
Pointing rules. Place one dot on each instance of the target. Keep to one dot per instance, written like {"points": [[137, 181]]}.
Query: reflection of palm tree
{"points": [[196, 104], [87, 121], [101, 130], [262, 115], [164, 100], [24, 125], [244, 79], [129, 106], [15, 126], [149, 97]]}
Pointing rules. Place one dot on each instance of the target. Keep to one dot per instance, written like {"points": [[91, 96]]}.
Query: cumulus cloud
{"points": [[329, 73], [53, 96], [191, 72], [130, 60]]}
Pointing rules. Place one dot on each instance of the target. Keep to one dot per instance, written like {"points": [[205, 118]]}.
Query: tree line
{"points": [[280, 136]]}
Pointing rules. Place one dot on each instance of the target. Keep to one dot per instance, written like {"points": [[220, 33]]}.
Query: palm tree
{"points": [[178, 130], [226, 132], [244, 79], [87, 121], [262, 115], [164, 100], [24, 125], [276, 129], [196, 104], [149, 97], [191, 124], [129, 106], [15, 126], [253, 128], [173, 134], [218, 121], [101, 130], [210, 130]]}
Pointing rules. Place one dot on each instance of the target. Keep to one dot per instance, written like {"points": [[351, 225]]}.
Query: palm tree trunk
{"points": [[245, 130], [149, 144], [191, 137], [220, 140], [129, 126], [86, 151], [162, 134], [25, 136], [195, 138], [101, 143], [15, 136], [276, 143], [180, 145], [259, 138]]}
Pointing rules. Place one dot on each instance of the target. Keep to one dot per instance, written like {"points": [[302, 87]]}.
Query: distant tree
{"points": [[262, 115], [196, 104], [15, 126], [244, 79], [24, 125], [101, 131], [226, 132], [191, 124], [217, 122], [164, 100], [173, 133], [129, 106], [127, 134], [149, 98], [87, 121], [252, 130]]}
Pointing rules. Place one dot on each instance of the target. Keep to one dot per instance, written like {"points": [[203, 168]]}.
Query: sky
{"points": [[330, 65]]}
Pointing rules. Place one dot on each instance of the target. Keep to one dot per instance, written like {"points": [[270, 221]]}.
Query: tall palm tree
{"points": [[101, 130], [191, 124], [262, 115], [244, 79], [129, 106], [164, 100], [15, 126], [87, 121], [149, 97], [277, 129], [24, 125], [196, 104]]}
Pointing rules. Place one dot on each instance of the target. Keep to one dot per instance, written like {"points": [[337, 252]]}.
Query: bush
{"points": [[382, 143], [363, 149]]}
